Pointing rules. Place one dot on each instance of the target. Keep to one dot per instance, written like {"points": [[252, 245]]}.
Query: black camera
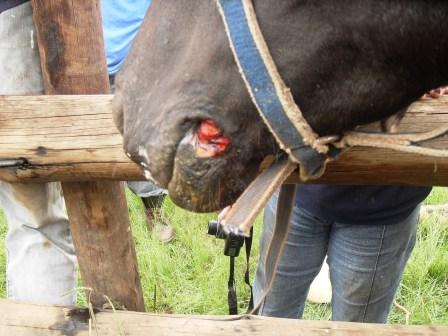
{"points": [[234, 241], [215, 228]]}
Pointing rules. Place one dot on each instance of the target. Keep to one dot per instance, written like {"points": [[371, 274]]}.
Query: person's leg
{"points": [[301, 261], [152, 197], [41, 264], [20, 72], [366, 265]]}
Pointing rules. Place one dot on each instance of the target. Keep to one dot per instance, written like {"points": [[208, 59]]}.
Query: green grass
{"points": [[189, 274], [437, 196], [424, 289]]}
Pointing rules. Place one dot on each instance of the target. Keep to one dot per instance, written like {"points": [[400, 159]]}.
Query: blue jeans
{"points": [[366, 265]]}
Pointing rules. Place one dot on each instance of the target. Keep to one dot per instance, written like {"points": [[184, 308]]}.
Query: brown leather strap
{"points": [[274, 252], [248, 206]]}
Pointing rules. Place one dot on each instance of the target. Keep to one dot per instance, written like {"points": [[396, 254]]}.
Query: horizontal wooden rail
{"points": [[18, 319], [65, 138]]}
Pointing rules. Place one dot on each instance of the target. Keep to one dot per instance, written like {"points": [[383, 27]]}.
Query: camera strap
{"points": [[239, 221], [232, 298]]}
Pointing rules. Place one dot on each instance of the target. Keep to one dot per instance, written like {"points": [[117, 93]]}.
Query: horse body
{"points": [[347, 63]]}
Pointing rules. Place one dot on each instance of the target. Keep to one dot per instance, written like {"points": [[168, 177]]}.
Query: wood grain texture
{"points": [[74, 138], [72, 56], [71, 47], [101, 231], [19, 319]]}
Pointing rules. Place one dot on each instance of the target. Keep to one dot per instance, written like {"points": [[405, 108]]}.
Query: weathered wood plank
{"points": [[74, 138], [19, 319], [71, 49]]}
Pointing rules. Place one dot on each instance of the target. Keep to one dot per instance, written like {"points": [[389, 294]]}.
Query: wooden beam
{"points": [[71, 49], [62, 138], [19, 319], [74, 138]]}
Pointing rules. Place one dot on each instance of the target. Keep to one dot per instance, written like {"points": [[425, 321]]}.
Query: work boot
{"points": [[153, 209]]}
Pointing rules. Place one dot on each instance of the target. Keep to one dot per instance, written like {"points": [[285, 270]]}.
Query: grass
{"points": [[173, 276], [424, 289], [189, 274]]}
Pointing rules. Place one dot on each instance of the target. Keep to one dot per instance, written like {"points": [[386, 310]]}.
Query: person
{"points": [[121, 22], [41, 261], [367, 232]]}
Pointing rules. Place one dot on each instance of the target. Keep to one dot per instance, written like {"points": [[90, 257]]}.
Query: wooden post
{"points": [[72, 56], [20, 319]]}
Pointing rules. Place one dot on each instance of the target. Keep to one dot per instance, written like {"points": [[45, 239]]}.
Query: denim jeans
{"points": [[41, 262], [366, 265]]}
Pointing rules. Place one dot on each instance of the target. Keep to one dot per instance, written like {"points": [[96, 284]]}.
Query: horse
{"points": [[188, 120]]}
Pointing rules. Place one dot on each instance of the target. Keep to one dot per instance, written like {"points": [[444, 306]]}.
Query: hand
{"points": [[436, 93]]}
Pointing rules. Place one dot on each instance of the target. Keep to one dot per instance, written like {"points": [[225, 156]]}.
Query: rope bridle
{"points": [[282, 116]]}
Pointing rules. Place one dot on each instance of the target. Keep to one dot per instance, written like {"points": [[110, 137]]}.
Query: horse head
{"points": [[187, 118]]}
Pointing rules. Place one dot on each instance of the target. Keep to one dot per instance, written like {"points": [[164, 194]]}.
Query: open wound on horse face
{"points": [[208, 140]]}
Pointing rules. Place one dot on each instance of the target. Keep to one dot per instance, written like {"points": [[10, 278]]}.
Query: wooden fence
{"points": [[18, 319], [71, 138]]}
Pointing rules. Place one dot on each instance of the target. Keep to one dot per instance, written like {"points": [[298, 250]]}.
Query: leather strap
{"points": [[248, 243], [268, 92], [274, 252], [244, 211]]}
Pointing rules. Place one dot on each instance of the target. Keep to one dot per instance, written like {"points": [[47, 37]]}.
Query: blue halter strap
{"points": [[270, 95]]}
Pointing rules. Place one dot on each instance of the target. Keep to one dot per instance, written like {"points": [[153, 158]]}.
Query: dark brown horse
{"points": [[347, 62]]}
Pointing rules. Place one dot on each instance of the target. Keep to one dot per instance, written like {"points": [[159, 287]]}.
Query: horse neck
{"points": [[418, 38]]}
